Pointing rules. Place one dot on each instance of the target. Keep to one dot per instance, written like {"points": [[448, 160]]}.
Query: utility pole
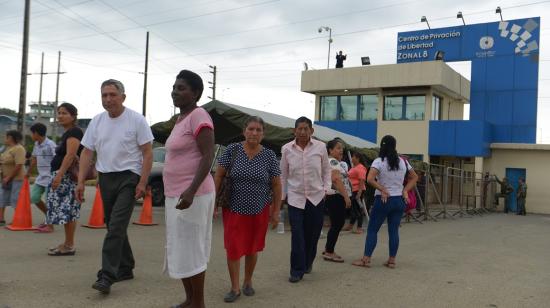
{"points": [[213, 82], [42, 73], [54, 129], [145, 74], [24, 63], [39, 117]]}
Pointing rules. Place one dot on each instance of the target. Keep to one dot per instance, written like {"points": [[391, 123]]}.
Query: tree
{"points": [[8, 112]]}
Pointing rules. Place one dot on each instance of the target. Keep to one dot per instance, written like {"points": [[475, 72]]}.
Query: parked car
{"points": [[155, 179]]}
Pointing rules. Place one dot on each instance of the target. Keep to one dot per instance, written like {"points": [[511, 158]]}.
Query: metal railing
{"points": [[449, 192]]}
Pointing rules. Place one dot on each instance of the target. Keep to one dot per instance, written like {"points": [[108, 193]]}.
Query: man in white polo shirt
{"points": [[122, 140]]}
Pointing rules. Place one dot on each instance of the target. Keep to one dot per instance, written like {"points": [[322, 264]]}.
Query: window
{"points": [[329, 108], [418, 157], [409, 108], [159, 154], [436, 103], [414, 108], [393, 108], [348, 108], [368, 107]]}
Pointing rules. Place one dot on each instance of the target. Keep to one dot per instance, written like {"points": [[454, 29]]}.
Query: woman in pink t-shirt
{"points": [[189, 190]]}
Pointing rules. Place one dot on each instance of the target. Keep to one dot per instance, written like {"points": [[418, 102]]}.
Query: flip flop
{"points": [[361, 263], [347, 228], [335, 258], [62, 252], [389, 264], [56, 247], [43, 230]]}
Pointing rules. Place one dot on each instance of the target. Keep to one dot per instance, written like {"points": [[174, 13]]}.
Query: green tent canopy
{"points": [[229, 120]]}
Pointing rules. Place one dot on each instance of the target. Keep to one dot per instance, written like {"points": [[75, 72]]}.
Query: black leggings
{"points": [[356, 213], [337, 212]]}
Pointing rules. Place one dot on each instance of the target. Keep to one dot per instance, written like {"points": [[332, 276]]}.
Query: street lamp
{"points": [[329, 30], [459, 15], [424, 19], [499, 11]]}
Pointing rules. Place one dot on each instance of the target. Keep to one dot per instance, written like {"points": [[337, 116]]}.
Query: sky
{"points": [[258, 46]]}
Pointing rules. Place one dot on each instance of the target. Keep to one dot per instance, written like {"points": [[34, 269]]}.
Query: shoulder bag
{"points": [[223, 198], [75, 167]]}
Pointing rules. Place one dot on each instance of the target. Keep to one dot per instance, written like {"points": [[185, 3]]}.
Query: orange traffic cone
{"points": [[146, 217], [22, 218], [96, 220]]}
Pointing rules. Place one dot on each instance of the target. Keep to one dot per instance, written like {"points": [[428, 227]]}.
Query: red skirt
{"points": [[244, 234]]}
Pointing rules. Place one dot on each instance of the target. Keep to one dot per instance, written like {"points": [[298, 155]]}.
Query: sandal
{"points": [[231, 296], [347, 228], [60, 246], [248, 290], [358, 231], [361, 262], [389, 264], [333, 258], [64, 251], [43, 229]]}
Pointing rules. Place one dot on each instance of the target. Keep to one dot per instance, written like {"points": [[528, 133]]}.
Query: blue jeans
{"points": [[306, 228], [10, 194], [392, 210]]}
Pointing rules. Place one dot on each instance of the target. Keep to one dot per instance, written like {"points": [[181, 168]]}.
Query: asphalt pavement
{"points": [[497, 260]]}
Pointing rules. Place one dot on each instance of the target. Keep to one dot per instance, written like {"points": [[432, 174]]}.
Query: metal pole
{"points": [[24, 63], [329, 42], [54, 126], [39, 117], [145, 74], [214, 83]]}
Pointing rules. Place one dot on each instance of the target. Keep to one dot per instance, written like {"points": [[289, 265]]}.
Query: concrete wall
{"points": [[432, 73], [535, 160], [412, 136], [451, 109]]}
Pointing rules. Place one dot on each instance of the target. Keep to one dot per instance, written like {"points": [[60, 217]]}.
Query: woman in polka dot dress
{"points": [[254, 172]]}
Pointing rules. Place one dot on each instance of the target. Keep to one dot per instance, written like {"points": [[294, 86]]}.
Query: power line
{"points": [[341, 34], [89, 26], [167, 21], [295, 22], [39, 13], [92, 26], [344, 33], [137, 23]]}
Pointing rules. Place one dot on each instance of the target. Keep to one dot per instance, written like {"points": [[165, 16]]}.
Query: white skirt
{"points": [[188, 236]]}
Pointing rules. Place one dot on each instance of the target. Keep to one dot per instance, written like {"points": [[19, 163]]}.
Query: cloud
{"points": [[259, 46]]}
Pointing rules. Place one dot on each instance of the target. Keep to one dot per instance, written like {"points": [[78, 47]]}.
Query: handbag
{"points": [[223, 198], [75, 167]]}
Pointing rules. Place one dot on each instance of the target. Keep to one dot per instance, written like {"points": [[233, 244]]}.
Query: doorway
{"points": [[513, 175]]}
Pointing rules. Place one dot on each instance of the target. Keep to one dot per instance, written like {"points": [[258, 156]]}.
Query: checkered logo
{"points": [[525, 44]]}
